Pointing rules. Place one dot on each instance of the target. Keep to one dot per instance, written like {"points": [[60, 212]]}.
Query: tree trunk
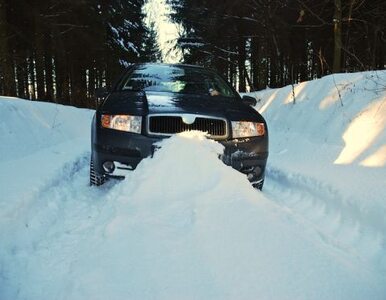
{"points": [[231, 74], [39, 60], [241, 64], [58, 79], [26, 82], [78, 83], [21, 70], [337, 37], [62, 71], [48, 68], [91, 82], [255, 62], [32, 80], [6, 64]]}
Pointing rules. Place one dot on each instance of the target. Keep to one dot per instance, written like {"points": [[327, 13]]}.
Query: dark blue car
{"points": [[154, 101]]}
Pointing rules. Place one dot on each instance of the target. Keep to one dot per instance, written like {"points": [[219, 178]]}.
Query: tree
{"points": [[337, 36], [286, 41], [7, 80], [150, 51], [62, 50]]}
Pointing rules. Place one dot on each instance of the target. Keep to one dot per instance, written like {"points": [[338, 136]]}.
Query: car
{"points": [[151, 102]]}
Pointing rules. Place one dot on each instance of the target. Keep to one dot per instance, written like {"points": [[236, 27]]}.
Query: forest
{"points": [[274, 43], [62, 50]]}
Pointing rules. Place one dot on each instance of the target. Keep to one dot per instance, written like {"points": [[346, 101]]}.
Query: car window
{"points": [[177, 79]]}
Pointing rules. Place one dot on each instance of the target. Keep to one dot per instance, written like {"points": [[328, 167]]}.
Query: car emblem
{"points": [[188, 119]]}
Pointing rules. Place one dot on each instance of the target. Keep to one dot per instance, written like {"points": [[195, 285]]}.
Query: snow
{"points": [[185, 226], [190, 44], [339, 146]]}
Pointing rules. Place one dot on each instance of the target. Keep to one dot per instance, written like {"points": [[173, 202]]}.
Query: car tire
{"points": [[95, 178], [258, 186]]}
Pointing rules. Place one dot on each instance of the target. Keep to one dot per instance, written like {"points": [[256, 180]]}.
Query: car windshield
{"points": [[177, 79]]}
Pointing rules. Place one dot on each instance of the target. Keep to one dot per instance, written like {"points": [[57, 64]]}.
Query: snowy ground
{"points": [[185, 226]]}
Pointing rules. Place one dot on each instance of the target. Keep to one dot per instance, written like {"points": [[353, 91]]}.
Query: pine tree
{"points": [[285, 41], [62, 50], [150, 51]]}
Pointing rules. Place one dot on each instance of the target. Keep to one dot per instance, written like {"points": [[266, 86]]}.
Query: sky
{"points": [[157, 11]]}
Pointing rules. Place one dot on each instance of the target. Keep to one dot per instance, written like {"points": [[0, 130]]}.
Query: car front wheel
{"points": [[95, 178], [258, 185]]}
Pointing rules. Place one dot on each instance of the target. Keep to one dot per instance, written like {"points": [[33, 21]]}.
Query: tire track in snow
{"points": [[61, 218], [70, 187], [51, 208], [337, 221]]}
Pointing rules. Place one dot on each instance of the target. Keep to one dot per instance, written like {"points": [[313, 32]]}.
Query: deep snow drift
{"points": [[185, 226]]}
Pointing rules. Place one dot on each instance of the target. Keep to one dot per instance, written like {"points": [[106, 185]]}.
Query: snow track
{"points": [[57, 220], [67, 197], [339, 223]]}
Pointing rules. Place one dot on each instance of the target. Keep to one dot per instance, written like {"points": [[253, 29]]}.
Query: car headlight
{"points": [[122, 122], [241, 129]]}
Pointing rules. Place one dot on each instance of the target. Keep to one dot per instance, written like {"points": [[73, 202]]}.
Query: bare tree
{"points": [[337, 64]]}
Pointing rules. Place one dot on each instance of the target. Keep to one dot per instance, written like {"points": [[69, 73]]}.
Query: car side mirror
{"points": [[248, 100]]}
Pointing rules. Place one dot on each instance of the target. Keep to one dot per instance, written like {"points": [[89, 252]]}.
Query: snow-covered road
{"points": [[183, 225], [339, 225], [184, 238]]}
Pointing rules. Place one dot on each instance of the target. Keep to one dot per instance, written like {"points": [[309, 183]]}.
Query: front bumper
{"points": [[126, 150], [123, 147], [248, 156]]}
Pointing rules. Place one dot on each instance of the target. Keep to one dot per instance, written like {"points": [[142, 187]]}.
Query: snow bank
{"points": [[38, 141], [330, 135], [27, 127], [343, 110]]}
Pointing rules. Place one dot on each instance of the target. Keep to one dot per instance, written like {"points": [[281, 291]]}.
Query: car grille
{"points": [[172, 124]]}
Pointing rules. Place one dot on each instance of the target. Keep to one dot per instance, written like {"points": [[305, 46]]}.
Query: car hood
{"points": [[143, 103]]}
